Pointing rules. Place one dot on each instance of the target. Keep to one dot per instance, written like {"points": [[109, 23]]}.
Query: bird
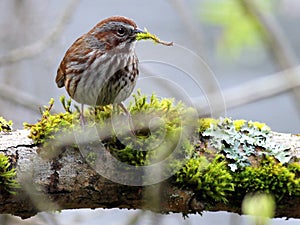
{"points": [[101, 66]]}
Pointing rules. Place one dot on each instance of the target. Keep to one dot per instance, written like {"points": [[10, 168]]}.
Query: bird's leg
{"points": [[82, 119], [129, 117]]}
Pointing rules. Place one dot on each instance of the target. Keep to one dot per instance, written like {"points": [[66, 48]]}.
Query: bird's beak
{"points": [[137, 31]]}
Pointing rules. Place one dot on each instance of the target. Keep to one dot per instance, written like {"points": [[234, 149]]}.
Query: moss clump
{"points": [[269, 177], [205, 123], [7, 175], [160, 128], [146, 35], [212, 180], [5, 125], [44, 130], [51, 126], [215, 181]]}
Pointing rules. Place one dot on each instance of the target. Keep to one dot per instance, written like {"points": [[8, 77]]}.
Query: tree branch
{"points": [[277, 42], [265, 87], [21, 98], [69, 183], [36, 48]]}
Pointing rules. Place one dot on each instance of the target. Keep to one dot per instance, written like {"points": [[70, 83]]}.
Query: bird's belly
{"points": [[106, 86]]}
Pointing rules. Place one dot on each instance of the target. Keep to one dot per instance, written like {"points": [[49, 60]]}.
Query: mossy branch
{"points": [[68, 182], [224, 160]]}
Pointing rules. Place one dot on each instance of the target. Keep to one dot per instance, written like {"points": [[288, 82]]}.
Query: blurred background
{"points": [[236, 48]]}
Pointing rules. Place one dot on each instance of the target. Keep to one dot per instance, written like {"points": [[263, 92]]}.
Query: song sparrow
{"points": [[101, 66]]}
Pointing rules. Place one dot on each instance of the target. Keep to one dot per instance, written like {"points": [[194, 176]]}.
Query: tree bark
{"points": [[68, 182]]}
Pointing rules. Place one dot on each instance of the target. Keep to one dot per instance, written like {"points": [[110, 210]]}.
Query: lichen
{"points": [[5, 125], [239, 140], [8, 182]]}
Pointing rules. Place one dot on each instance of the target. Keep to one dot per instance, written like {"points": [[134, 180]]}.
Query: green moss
{"points": [[205, 123], [147, 35], [5, 125], [269, 177], [211, 180], [157, 122], [215, 181], [44, 130], [156, 142], [7, 175]]}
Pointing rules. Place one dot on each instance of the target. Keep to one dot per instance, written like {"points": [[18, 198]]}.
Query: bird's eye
{"points": [[121, 31]]}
